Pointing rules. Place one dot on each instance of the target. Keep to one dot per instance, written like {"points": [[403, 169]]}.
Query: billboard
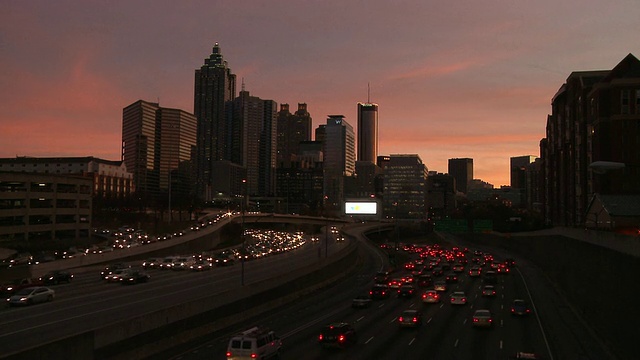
{"points": [[360, 208]]}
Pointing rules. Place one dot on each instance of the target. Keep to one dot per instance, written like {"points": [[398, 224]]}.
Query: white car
{"points": [[430, 296], [458, 298], [31, 295]]}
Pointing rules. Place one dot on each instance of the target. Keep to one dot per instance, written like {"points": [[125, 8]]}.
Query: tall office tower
{"points": [[215, 89], [176, 138], [517, 170], [156, 146], [139, 147], [462, 172], [339, 159], [292, 130], [367, 132], [254, 142], [405, 178]]}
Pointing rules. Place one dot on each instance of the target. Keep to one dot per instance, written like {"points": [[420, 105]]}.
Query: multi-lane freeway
{"points": [[446, 333]]}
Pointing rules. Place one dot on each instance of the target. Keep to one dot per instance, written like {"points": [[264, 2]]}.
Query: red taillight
{"points": [[464, 300], [475, 320], [490, 320], [400, 319], [513, 310], [341, 338], [415, 319], [320, 337], [370, 292], [228, 354], [452, 299], [254, 356], [424, 296]]}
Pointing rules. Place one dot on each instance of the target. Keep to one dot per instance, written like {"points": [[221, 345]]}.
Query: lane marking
{"points": [[456, 343], [412, 340], [362, 317], [371, 338]]}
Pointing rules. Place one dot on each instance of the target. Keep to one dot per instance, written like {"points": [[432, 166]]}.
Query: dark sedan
{"points": [[55, 277], [130, 277]]}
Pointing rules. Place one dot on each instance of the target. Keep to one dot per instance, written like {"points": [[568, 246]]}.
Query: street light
{"points": [[244, 238]]}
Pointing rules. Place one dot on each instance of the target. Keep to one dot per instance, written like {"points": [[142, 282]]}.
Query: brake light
{"points": [[513, 310], [254, 356], [475, 319], [320, 337], [415, 319], [370, 292], [464, 299], [400, 319], [228, 354], [341, 338], [490, 320]]}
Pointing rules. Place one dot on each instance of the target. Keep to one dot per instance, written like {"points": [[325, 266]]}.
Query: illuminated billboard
{"points": [[361, 208]]}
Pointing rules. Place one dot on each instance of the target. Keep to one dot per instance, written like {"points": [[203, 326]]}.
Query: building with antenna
{"points": [[368, 130]]}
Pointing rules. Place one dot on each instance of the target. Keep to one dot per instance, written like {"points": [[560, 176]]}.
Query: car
{"points": [[151, 263], [109, 269], [132, 276], [490, 277], [56, 276], [503, 269], [520, 307], [361, 301], [182, 263], [410, 318], [425, 280], [406, 290], [458, 298], [114, 276], [451, 278], [458, 268], [482, 318], [437, 271], [510, 262], [475, 271], [12, 287], [254, 343], [440, 285], [167, 263], [201, 265], [380, 291], [31, 295], [430, 296], [395, 283], [339, 334], [381, 277], [223, 260], [489, 290]]}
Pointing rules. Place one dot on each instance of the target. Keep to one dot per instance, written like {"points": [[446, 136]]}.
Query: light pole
{"points": [[242, 209]]}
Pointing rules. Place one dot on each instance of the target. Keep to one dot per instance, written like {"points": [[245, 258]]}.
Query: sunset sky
{"points": [[452, 78]]}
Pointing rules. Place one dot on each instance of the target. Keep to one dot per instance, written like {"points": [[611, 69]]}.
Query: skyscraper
{"points": [[462, 172], [405, 178], [339, 159], [139, 146], [156, 143], [292, 130], [215, 89], [254, 142], [367, 132]]}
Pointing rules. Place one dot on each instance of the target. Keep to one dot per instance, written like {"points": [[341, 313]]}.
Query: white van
{"points": [[254, 343]]}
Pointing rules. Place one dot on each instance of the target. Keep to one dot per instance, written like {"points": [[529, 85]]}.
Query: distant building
{"points": [[157, 145], [111, 182], [292, 130], [38, 207], [441, 195], [339, 159], [462, 172], [215, 89], [405, 190], [367, 132], [254, 142]]}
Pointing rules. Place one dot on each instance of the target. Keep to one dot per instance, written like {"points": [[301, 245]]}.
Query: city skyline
{"points": [[452, 81]]}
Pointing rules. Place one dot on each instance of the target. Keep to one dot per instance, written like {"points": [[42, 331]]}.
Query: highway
{"points": [[88, 302], [552, 330], [447, 332]]}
